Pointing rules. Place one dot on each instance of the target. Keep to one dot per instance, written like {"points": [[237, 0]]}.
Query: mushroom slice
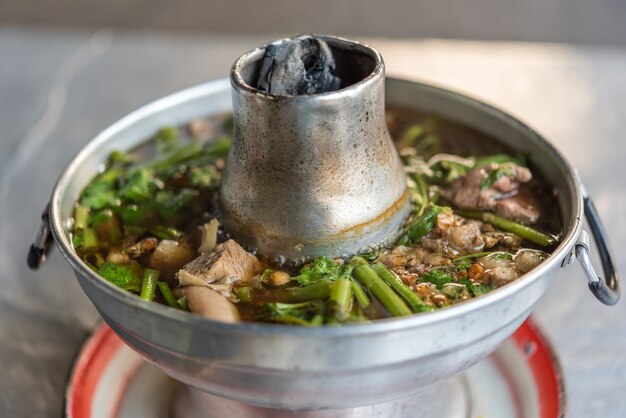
{"points": [[210, 304]]}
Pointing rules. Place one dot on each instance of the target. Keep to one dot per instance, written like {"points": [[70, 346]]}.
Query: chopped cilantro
{"points": [[127, 277]]}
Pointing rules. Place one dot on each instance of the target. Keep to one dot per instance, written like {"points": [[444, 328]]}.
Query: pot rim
{"points": [[562, 252], [337, 42]]}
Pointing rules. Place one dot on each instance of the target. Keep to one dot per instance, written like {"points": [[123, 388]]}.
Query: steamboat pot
{"points": [[328, 367]]}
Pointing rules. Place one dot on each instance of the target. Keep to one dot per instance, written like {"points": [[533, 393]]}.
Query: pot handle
{"points": [[43, 243], [607, 289]]}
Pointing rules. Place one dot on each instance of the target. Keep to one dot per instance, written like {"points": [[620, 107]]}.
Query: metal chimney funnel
{"points": [[313, 175]]}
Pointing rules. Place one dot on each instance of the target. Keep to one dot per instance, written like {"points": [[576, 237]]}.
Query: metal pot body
{"points": [[328, 367]]}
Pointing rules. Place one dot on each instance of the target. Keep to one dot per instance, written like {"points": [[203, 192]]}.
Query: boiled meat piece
{"points": [[505, 195], [227, 263]]}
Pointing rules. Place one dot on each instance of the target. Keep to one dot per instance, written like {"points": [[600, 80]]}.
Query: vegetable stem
{"points": [[167, 294], [90, 238], [471, 256], [244, 293], [414, 301], [149, 284], [182, 303], [81, 217], [340, 298], [390, 300], [319, 290], [526, 232], [360, 295]]}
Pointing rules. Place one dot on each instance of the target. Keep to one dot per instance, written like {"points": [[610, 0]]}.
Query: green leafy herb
{"points": [[447, 171], [437, 277], [101, 192], [421, 226], [503, 170], [167, 202], [120, 158], [475, 288], [128, 276], [140, 186], [166, 138], [499, 159], [323, 268], [294, 313], [204, 177]]}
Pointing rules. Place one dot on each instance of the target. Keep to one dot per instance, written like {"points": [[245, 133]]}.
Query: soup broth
{"points": [[481, 218]]}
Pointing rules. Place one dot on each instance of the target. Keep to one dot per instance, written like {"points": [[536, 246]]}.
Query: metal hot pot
{"points": [[293, 368]]}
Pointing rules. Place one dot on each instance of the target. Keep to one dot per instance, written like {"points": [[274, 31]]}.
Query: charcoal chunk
{"points": [[299, 66]]}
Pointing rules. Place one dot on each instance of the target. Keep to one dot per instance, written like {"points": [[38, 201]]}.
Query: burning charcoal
{"points": [[302, 65]]}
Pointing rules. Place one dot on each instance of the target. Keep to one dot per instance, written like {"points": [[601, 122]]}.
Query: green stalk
{"points": [[244, 293], [340, 298], [526, 232], [414, 301], [167, 294], [81, 216], [182, 303], [390, 300], [90, 238], [149, 284], [319, 290], [360, 295], [291, 320], [422, 188], [317, 320], [471, 256]]}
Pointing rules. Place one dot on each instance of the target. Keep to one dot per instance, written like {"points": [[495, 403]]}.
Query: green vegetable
{"points": [[499, 159], [421, 226], [323, 268], [471, 256], [101, 192], [182, 303], [168, 203], [476, 289], [120, 158], [318, 290], [340, 299], [174, 156], [167, 294], [219, 148], [203, 177], [377, 286], [166, 138], [162, 232], [149, 284], [411, 135], [244, 293], [295, 313], [140, 186], [360, 295], [81, 217], [503, 170], [86, 239], [127, 277], [437, 277], [421, 195], [537, 237], [414, 301]]}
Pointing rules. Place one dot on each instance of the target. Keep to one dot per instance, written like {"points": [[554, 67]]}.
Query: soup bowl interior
{"points": [[328, 367]]}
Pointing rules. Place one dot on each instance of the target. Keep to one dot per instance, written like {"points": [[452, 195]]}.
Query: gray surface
{"points": [[57, 89], [598, 21]]}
